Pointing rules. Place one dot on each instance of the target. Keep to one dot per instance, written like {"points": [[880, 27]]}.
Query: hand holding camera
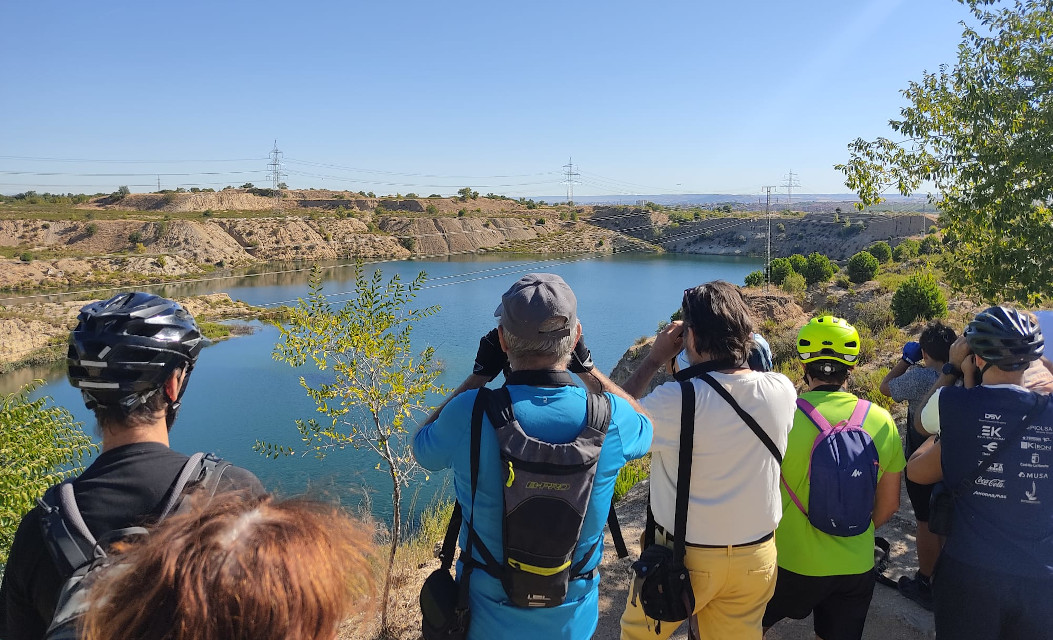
{"points": [[581, 358], [490, 359]]}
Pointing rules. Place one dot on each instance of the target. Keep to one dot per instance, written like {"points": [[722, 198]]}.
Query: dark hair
{"points": [[936, 340], [114, 417], [828, 371], [239, 568], [717, 313]]}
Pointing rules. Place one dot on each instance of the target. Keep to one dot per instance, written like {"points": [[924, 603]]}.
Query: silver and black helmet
{"points": [[1006, 338], [125, 348]]}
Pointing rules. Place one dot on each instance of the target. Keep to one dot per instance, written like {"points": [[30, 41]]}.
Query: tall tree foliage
{"points": [[982, 132], [372, 380], [41, 444]]}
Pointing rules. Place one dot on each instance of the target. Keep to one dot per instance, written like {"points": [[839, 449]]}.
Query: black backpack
{"points": [[82, 557], [547, 488]]}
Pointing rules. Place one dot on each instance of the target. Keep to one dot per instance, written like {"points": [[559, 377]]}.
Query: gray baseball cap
{"points": [[538, 305]]}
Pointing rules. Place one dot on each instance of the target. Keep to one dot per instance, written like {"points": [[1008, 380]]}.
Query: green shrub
{"points": [[633, 472], [408, 242], [91, 229], [140, 247], [874, 314], [906, 249], [779, 269], [214, 330], [930, 245], [794, 283], [918, 297], [881, 251], [818, 268], [843, 281], [25, 256], [135, 237], [862, 267], [798, 262], [431, 210], [754, 278]]}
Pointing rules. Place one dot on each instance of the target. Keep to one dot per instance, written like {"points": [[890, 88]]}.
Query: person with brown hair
{"points": [[733, 499], [240, 567]]}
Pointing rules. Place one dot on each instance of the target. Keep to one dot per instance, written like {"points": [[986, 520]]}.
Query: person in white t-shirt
{"points": [[734, 504]]}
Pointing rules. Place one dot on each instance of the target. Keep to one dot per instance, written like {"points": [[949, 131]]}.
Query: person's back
{"points": [[539, 331], [803, 548], [830, 574], [131, 357], [733, 497], [993, 451]]}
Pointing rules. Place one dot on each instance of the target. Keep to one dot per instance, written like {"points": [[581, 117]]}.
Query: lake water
{"points": [[238, 393]]}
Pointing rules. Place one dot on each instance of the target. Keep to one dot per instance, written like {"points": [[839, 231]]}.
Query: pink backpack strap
{"points": [[813, 414], [793, 496], [859, 413]]}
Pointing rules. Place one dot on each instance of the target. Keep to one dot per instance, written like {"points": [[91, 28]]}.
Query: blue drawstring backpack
{"points": [[842, 473]]}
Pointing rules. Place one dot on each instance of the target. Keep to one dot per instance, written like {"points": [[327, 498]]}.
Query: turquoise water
{"points": [[238, 393]]}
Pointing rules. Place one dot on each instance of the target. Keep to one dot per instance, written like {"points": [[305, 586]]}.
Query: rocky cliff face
{"points": [[743, 235]]}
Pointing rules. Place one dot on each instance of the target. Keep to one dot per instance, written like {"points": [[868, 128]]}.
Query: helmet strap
{"points": [[987, 365]]}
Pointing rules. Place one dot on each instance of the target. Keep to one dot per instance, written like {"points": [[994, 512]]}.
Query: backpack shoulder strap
{"points": [[750, 421], [66, 535], [821, 423], [683, 474], [859, 413]]}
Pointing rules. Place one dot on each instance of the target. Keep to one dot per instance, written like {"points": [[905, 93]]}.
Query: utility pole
{"points": [[276, 176], [767, 213], [568, 179], [790, 184]]}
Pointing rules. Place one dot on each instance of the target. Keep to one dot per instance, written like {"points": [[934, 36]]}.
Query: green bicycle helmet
{"points": [[828, 338]]}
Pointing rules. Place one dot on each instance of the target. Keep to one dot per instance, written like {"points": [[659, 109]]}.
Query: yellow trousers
{"points": [[732, 585]]}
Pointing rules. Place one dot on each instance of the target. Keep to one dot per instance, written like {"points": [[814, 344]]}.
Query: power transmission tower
{"points": [[767, 213], [791, 183], [276, 175], [569, 175]]}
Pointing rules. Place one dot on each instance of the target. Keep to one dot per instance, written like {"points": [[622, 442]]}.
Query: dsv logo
{"points": [[992, 416], [994, 483]]}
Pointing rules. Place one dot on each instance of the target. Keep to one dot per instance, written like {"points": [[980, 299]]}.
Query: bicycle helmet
{"points": [[1006, 338], [124, 349], [828, 338]]}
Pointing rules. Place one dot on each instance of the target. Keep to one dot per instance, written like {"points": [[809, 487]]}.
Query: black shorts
{"points": [[973, 602], [919, 495], [839, 603]]}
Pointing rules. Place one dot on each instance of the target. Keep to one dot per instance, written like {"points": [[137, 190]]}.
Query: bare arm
{"points": [[473, 381], [667, 344], [898, 369], [960, 357], [596, 382], [886, 498], [926, 465]]}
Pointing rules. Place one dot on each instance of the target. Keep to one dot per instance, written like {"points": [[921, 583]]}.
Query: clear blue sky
{"points": [[647, 97]]}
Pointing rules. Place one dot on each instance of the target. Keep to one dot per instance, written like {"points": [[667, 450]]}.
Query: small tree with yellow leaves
{"points": [[375, 382]]}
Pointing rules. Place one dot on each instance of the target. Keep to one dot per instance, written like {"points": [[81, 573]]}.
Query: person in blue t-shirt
{"points": [[537, 340], [993, 447]]}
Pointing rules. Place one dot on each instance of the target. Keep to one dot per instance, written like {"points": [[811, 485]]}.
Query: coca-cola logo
{"points": [[995, 483]]}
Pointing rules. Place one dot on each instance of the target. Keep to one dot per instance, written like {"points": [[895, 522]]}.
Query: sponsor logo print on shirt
{"points": [[994, 483], [991, 446], [1037, 446], [996, 467], [995, 417], [1031, 497], [857, 473], [987, 431], [985, 494], [1033, 475]]}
